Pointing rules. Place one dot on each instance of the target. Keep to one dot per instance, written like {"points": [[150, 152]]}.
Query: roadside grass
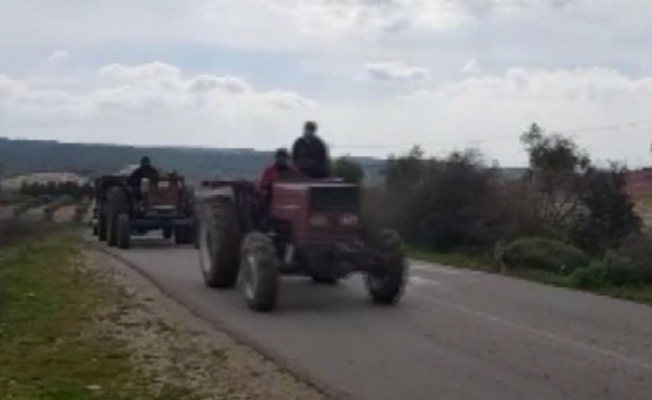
{"points": [[48, 345], [479, 261]]}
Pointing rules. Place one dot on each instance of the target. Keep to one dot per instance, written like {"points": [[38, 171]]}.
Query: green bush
{"points": [[543, 254], [613, 271], [638, 249]]}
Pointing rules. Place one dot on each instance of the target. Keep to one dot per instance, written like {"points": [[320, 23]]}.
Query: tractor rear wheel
{"points": [[219, 244], [325, 280], [124, 231], [385, 286], [117, 204], [101, 228], [259, 271]]}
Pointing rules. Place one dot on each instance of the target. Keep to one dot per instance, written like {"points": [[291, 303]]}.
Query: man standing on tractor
{"points": [[144, 171], [309, 153]]}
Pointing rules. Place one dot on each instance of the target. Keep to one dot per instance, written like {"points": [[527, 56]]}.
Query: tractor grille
{"points": [[334, 198]]}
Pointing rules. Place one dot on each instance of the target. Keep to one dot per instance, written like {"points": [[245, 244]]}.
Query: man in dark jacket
{"points": [[309, 153], [145, 170]]}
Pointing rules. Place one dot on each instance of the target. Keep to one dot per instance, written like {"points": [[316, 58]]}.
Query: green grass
{"points": [[48, 350], [479, 261]]}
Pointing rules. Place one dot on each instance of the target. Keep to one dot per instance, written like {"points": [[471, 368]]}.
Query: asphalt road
{"points": [[457, 335]]}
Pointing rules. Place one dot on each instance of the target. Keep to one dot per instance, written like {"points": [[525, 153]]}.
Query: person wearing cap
{"points": [[309, 153], [144, 171]]}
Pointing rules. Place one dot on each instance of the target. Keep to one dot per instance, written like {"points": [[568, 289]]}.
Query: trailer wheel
{"points": [[386, 285], [259, 272], [219, 243], [124, 231]]}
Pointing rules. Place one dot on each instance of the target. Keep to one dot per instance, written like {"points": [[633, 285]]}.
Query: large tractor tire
{"points": [[101, 228], [325, 280], [219, 244], [386, 285], [124, 231], [117, 204], [259, 271], [184, 234]]}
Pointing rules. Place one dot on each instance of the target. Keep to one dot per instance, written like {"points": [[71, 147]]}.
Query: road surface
{"points": [[457, 335]]}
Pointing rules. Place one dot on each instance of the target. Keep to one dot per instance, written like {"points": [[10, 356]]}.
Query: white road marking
{"points": [[535, 331], [419, 281], [421, 266]]}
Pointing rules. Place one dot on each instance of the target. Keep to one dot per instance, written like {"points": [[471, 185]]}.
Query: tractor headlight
{"points": [[318, 220], [349, 220]]}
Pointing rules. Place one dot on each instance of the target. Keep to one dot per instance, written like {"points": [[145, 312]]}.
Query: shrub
{"points": [[543, 254], [614, 270], [609, 216], [447, 203], [638, 249]]}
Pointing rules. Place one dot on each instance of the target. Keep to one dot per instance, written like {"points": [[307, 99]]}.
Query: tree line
{"points": [[57, 189], [565, 215]]}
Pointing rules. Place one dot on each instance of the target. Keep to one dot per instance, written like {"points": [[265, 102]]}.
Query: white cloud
{"points": [[395, 71], [159, 103], [145, 101], [58, 55], [471, 67]]}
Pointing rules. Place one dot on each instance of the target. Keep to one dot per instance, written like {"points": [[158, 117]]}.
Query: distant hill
{"points": [[21, 157], [24, 157]]}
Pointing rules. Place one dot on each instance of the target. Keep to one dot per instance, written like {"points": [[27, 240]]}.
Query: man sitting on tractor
{"points": [[280, 168], [144, 171], [309, 153]]}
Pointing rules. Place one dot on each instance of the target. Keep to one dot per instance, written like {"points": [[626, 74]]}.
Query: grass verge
{"points": [[484, 262], [48, 345]]}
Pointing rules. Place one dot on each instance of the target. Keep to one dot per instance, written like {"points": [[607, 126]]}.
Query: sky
{"points": [[379, 76]]}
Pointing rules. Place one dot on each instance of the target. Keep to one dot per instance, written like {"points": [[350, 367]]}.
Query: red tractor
{"points": [[309, 228]]}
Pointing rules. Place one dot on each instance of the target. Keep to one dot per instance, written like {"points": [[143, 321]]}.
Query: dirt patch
{"points": [[6, 212], [64, 214], [34, 214], [176, 349]]}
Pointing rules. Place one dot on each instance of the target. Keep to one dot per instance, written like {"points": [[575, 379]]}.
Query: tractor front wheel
{"points": [[219, 239], [386, 284], [259, 271]]}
